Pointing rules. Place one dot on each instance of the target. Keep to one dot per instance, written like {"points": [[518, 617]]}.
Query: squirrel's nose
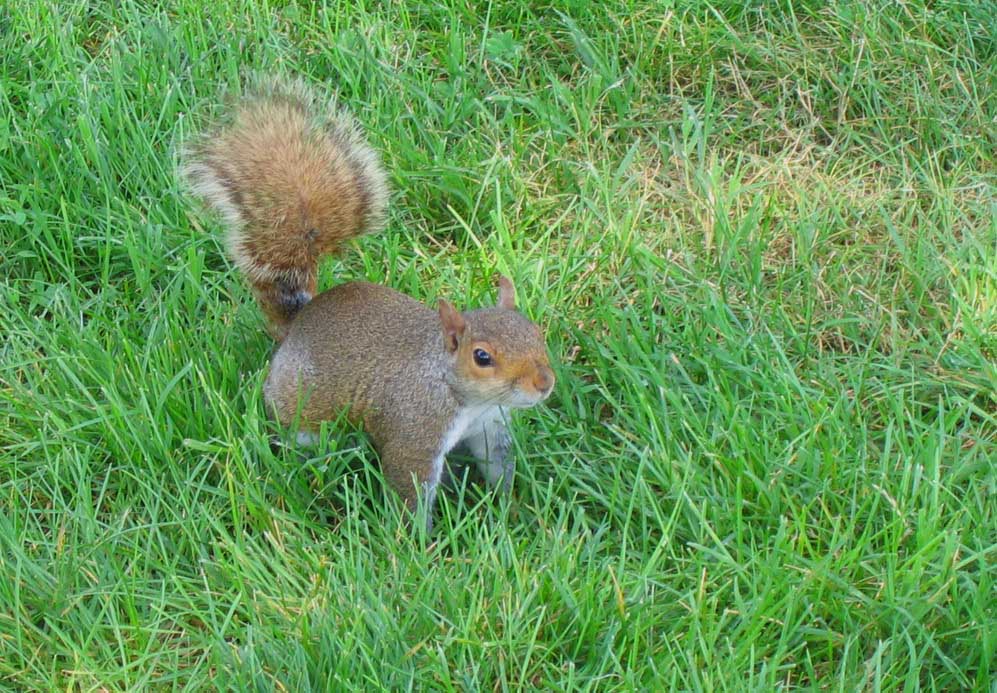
{"points": [[543, 380]]}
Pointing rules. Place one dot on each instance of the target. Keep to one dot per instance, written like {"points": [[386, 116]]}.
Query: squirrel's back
{"points": [[343, 351], [293, 178]]}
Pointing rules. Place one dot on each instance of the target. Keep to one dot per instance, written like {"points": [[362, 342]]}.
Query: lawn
{"points": [[760, 237]]}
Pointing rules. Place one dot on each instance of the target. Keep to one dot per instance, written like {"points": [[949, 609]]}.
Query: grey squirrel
{"points": [[294, 179]]}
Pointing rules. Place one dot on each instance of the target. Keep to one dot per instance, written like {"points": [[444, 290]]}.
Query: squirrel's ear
{"points": [[507, 294], [453, 325]]}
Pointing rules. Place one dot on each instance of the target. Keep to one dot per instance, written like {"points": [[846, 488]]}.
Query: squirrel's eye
{"points": [[482, 357]]}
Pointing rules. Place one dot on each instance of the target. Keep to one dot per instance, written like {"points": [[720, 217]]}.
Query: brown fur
{"points": [[294, 180]]}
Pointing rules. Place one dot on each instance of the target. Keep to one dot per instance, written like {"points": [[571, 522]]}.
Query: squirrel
{"points": [[294, 180]]}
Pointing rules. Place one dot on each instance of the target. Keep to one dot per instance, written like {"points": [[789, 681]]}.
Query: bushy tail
{"points": [[293, 179]]}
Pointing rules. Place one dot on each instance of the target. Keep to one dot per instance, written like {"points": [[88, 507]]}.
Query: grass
{"points": [[760, 237]]}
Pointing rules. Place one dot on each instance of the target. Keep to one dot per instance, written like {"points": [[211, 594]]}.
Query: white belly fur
{"points": [[465, 419]]}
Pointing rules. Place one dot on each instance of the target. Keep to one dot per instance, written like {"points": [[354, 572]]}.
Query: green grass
{"points": [[760, 237]]}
